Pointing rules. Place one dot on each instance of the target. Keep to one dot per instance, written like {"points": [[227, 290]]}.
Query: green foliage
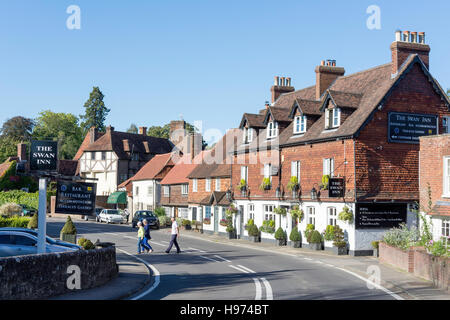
{"points": [[279, 210], [402, 237], [33, 222], [242, 184], [206, 220], [265, 185], [231, 210], [295, 235], [61, 127], [297, 213], [86, 244], [325, 180], [329, 233], [249, 223], [439, 248], [9, 180], [346, 215], [159, 212], [17, 128], [69, 227], [186, 222], [268, 226], [315, 237], [96, 111], [133, 129], [309, 229], [9, 209], [293, 183], [253, 230], [339, 239], [164, 220], [280, 234], [20, 197], [375, 244], [14, 222], [8, 148]]}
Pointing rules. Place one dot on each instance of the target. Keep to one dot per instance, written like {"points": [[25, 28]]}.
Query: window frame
{"points": [[446, 124], [268, 214], [331, 216], [251, 211], [328, 167], [208, 184], [166, 191], [296, 166], [195, 185], [310, 216], [184, 189], [217, 185], [272, 129], [445, 228], [300, 127]]}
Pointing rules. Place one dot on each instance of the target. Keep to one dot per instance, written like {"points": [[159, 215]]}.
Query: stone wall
{"points": [[45, 275]]}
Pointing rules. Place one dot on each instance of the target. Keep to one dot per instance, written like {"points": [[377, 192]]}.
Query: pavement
{"points": [[135, 275]]}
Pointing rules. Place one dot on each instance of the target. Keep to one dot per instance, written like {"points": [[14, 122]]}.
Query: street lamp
{"points": [[229, 195], [278, 192], [313, 194]]}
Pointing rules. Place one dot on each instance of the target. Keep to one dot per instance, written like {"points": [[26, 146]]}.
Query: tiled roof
{"points": [[152, 168], [307, 107], [216, 198], [85, 144], [68, 167], [211, 170], [253, 120], [278, 114], [440, 210], [287, 99], [183, 167], [345, 99]]}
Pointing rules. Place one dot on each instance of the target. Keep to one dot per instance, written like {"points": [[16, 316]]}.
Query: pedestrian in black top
{"points": [[147, 236]]}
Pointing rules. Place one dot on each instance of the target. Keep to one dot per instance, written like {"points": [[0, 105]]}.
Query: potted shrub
{"points": [[249, 223], [186, 224], [328, 236], [69, 232], [309, 229], [265, 185], [280, 236], [375, 246], [231, 232], [346, 215], [33, 223], [339, 244], [296, 239], [86, 244], [268, 226], [253, 233], [315, 240]]}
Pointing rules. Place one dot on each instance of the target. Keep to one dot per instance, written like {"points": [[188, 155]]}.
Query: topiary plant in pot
{"points": [[296, 238], [33, 223], [69, 232], [253, 233], [339, 244], [315, 240], [280, 236]]}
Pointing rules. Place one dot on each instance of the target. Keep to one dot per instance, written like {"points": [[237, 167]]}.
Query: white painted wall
{"points": [[103, 170], [144, 199]]}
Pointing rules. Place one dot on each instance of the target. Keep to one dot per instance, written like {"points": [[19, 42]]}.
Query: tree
{"points": [[61, 127], [17, 128], [8, 148], [132, 129], [96, 112]]}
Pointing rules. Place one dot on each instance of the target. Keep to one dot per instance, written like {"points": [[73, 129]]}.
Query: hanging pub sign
{"points": [[44, 156], [380, 215], [408, 127], [75, 198], [336, 188]]}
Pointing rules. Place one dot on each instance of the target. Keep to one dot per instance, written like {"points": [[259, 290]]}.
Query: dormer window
{"points": [[247, 136], [300, 124], [332, 118], [272, 129]]}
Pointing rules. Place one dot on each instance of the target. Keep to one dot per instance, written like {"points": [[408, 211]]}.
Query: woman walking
{"points": [[141, 236], [147, 235]]}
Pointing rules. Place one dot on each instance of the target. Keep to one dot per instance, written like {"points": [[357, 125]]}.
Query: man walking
{"points": [[175, 234], [147, 236]]}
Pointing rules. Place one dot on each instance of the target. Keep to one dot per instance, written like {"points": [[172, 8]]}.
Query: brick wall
{"points": [[397, 257], [175, 197], [196, 197]]}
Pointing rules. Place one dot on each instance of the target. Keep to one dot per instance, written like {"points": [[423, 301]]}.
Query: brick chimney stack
{"points": [[93, 134], [22, 152], [281, 85], [407, 43], [326, 74], [143, 131]]}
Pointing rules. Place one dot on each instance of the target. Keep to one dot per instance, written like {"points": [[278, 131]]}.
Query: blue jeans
{"points": [[145, 243], [142, 244]]}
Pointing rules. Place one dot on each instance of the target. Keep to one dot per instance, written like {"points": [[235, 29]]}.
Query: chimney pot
{"points": [[282, 85], [406, 36], [422, 37], [277, 81], [414, 37], [322, 63], [398, 35]]}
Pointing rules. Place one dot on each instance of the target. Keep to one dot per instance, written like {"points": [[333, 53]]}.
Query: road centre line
{"points": [[226, 260], [207, 258], [197, 250], [269, 293], [258, 289], [239, 269]]}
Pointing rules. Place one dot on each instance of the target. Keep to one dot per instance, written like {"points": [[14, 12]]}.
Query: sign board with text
{"points": [[336, 188], [44, 156], [380, 215], [408, 127], [75, 198]]}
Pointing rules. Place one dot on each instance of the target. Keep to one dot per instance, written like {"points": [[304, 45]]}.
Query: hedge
{"points": [[15, 222], [20, 197]]}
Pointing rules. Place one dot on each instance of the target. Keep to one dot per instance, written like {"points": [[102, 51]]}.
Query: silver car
{"points": [[17, 243], [111, 216]]}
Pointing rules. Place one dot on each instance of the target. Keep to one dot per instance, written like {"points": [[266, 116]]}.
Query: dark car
{"points": [[148, 215], [27, 211]]}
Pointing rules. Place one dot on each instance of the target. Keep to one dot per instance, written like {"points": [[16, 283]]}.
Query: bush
{"points": [[280, 234], [253, 231], [346, 215], [325, 180], [375, 244], [295, 235], [329, 233], [186, 222], [293, 183], [9, 209], [179, 221], [249, 223], [69, 227], [268, 226], [164, 220], [33, 223], [14, 222], [86, 244], [265, 185], [315, 237], [309, 229], [339, 240], [402, 237], [159, 212], [20, 197], [438, 248]]}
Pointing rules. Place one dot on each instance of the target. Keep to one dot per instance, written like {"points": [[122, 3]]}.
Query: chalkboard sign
{"points": [[336, 188], [75, 198], [44, 156], [408, 127], [380, 215]]}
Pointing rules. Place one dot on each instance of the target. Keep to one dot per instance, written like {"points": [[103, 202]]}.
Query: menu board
{"points": [[380, 215]]}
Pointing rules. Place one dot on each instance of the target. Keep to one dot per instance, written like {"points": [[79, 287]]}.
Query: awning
{"points": [[118, 197]]}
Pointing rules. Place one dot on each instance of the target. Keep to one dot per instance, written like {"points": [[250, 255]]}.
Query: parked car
{"points": [[93, 216], [27, 211], [18, 243], [111, 216], [52, 241], [148, 215]]}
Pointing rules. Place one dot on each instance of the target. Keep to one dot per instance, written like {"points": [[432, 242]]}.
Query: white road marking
{"points": [[197, 250], [258, 289], [245, 268], [239, 269], [157, 243], [226, 260], [268, 289], [166, 242], [155, 272], [308, 259], [207, 258]]}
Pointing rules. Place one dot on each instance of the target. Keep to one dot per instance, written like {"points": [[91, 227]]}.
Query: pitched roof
{"points": [[152, 168], [253, 120], [345, 99], [86, 142], [440, 210], [183, 167], [210, 170], [118, 141], [278, 114], [307, 107], [217, 198], [287, 99]]}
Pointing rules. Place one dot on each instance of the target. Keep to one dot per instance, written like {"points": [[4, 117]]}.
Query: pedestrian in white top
{"points": [[175, 235]]}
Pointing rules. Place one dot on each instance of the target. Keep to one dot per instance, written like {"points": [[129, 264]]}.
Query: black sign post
{"points": [[44, 156], [380, 215], [408, 127], [336, 188], [75, 198]]}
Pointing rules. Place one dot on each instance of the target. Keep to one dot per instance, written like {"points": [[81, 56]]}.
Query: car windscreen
{"points": [[113, 212], [145, 214]]}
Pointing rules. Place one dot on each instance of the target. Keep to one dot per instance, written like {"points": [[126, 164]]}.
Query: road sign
{"points": [[75, 198], [44, 156], [408, 127]]}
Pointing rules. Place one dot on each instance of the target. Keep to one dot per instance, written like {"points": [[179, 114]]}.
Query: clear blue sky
{"points": [[207, 60]]}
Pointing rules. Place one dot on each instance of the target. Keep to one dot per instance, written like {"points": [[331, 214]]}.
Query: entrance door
{"points": [[216, 219], [241, 221]]}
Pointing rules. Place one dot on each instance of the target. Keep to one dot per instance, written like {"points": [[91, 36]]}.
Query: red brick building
{"points": [[361, 130]]}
